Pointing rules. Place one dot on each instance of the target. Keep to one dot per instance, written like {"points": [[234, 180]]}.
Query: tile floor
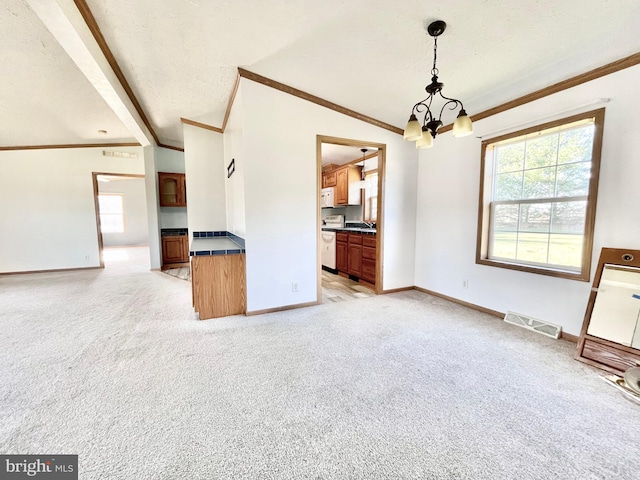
{"points": [[339, 289]]}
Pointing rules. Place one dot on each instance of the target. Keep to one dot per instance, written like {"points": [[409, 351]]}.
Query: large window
{"points": [[538, 197], [111, 213]]}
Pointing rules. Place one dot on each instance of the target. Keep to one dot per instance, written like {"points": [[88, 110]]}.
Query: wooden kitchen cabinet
{"points": [[369, 258], [172, 188], [346, 193], [175, 249], [218, 285], [329, 179], [342, 252], [355, 255]]}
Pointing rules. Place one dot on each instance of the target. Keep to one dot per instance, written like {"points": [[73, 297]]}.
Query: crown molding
{"points": [[193, 123], [70, 145]]}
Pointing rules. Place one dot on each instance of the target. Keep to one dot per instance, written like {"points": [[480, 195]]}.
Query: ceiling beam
{"points": [[67, 24]]}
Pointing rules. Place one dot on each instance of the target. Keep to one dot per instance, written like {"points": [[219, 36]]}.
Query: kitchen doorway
{"points": [[350, 218]]}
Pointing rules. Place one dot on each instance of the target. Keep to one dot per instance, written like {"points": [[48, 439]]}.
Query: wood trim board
{"points": [[53, 270], [193, 123], [71, 145], [281, 309], [232, 98]]}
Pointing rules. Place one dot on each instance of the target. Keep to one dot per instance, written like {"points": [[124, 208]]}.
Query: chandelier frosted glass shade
{"points": [[462, 127], [413, 130], [426, 141]]}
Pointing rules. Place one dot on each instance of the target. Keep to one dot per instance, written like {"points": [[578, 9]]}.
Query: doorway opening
{"points": [[350, 218], [121, 219]]}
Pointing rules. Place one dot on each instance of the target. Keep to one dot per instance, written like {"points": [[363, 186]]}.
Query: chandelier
{"points": [[423, 134]]}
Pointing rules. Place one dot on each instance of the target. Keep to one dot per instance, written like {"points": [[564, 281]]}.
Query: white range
{"points": [[328, 239]]}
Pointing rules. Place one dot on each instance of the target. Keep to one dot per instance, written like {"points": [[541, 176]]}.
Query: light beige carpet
{"points": [[112, 365]]}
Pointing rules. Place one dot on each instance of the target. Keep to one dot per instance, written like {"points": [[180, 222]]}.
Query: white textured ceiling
{"points": [[373, 56], [341, 154], [44, 98]]}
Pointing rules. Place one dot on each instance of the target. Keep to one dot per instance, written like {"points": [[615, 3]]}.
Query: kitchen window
{"points": [[111, 213], [538, 197], [371, 196]]}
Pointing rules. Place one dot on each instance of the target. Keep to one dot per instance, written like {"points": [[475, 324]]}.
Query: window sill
{"points": [[579, 276]]}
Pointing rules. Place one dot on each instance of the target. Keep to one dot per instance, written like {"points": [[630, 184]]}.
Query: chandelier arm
{"points": [[450, 101], [423, 106]]}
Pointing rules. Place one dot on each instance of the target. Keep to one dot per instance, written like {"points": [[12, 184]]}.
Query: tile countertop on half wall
{"points": [[215, 243], [365, 231]]}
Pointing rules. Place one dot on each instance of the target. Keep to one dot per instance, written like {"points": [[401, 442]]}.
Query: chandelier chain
{"points": [[434, 70]]}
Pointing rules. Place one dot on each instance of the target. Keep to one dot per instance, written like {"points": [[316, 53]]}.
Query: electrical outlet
{"points": [[294, 286], [86, 257], [465, 283]]}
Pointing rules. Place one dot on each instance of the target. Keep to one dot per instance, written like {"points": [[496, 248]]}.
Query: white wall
{"points": [[205, 175], [47, 217], [153, 209], [134, 203], [281, 195], [234, 150], [448, 186]]}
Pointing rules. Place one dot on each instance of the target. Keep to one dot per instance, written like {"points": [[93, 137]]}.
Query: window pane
{"points": [[542, 151], [505, 218], [539, 183], [573, 179], [508, 186], [111, 213], [566, 250], [110, 203], [111, 223], [504, 245], [535, 217], [568, 217], [576, 145], [510, 157], [533, 247]]}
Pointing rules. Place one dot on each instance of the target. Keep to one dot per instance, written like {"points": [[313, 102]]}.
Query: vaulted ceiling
{"points": [[180, 57]]}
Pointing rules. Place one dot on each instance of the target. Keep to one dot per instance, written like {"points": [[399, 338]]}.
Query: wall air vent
{"points": [[113, 153], [530, 323]]}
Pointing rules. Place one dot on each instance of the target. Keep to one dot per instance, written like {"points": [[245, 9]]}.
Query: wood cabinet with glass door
{"points": [[172, 189]]}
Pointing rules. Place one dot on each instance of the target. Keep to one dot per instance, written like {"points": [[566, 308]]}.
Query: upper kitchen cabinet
{"points": [[347, 192], [173, 191], [329, 179]]}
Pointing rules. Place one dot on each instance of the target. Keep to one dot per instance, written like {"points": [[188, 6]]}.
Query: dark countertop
{"points": [[364, 231], [171, 232]]}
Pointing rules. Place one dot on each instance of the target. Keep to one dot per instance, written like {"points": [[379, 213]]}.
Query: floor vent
{"points": [[530, 323]]}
